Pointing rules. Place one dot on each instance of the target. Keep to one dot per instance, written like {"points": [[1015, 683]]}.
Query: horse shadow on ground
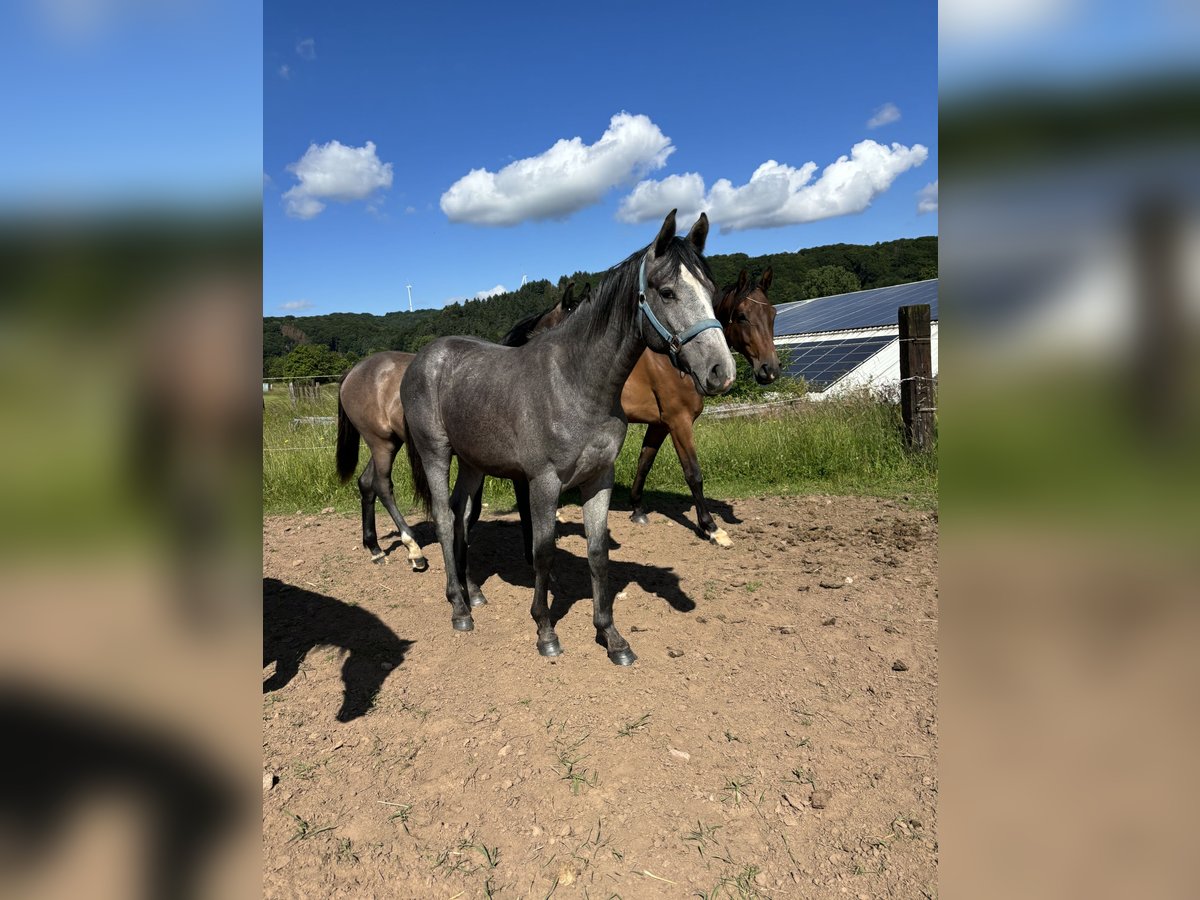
{"points": [[679, 508], [64, 751], [495, 549], [295, 621]]}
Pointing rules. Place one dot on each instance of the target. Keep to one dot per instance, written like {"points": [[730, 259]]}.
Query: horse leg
{"points": [[467, 491], [382, 458], [596, 496], [655, 434], [521, 490], [366, 488], [684, 439], [543, 499], [476, 506], [437, 473]]}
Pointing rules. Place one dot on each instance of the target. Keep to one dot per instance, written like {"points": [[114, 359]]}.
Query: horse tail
{"points": [[420, 483], [347, 444]]}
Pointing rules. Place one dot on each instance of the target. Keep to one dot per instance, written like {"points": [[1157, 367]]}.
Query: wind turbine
{"points": [[409, 297]]}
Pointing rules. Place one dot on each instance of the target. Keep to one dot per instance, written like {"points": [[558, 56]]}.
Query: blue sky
{"points": [[121, 103], [416, 96]]}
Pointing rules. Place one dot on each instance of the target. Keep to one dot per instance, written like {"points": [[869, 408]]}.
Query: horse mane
{"points": [[614, 302], [729, 297], [521, 332]]}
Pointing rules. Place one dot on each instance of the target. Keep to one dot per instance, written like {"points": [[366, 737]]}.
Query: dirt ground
{"points": [[777, 736]]}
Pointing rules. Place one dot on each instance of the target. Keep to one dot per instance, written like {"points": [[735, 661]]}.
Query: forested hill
{"points": [[319, 345]]}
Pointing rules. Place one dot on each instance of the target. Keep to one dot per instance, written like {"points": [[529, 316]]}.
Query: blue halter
{"points": [[674, 342]]}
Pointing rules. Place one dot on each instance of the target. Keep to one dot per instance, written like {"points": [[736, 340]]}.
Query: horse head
{"points": [[675, 295], [749, 320]]}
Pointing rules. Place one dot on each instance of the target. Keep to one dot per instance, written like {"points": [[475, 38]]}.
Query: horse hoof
{"points": [[478, 600], [622, 657], [419, 565], [639, 518], [550, 648], [463, 624], [720, 538], [379, 558]]}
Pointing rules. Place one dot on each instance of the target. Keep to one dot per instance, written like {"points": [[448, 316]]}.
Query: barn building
{"points": [[848, 342]]}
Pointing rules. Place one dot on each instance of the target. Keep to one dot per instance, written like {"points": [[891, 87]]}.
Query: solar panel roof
{"points": [[821, 363], [861, 309]]}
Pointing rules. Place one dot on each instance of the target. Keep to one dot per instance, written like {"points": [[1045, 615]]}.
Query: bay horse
{"points": [[667, 404], [548, 413], [369, 406]]}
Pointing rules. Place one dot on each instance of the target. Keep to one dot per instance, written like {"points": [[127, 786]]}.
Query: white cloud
{"points": [[778, 194], [491, 292], [307, 49], [334, 171], [927, 198], [285, 71], [409, 210], [296, 305], [885, 115], [654, 199], [566, 178]]}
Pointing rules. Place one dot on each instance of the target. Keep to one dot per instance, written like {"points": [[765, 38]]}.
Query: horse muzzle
{"points": [[766, 373], [710, 363]]}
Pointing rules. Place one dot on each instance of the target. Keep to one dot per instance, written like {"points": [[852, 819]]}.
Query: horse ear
{"points": [[567, 296], [765, 281], [743, 280], [665, 234], [699, 233]]}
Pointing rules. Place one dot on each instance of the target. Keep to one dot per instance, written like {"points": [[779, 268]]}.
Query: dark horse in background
{"points": [[369, 406], [666, 403], [549, 414]]}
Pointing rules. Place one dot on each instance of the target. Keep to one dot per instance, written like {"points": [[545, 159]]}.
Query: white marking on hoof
{"points": [[720, 538], [376, 557]]}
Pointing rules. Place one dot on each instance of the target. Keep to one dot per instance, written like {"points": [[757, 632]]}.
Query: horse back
{"points": [[370, 394]]}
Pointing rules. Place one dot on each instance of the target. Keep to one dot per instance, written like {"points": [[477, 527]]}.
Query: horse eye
{"points": [[742, 317], [666, 294]]}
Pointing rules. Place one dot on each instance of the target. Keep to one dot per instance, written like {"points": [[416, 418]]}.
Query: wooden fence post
{"points": [[916, 376]]}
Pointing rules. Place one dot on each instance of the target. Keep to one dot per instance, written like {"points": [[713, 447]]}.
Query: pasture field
{"points": [[777, 736], [842, 447]]}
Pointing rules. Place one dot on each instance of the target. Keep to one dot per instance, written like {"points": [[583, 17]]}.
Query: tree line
{"points": [[302, 347]]}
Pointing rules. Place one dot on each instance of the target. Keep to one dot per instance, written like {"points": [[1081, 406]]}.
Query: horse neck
{"points": [[602, 366], [723, 309]]}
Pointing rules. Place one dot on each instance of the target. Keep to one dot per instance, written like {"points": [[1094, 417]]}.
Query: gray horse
{"points": [[549, 414], [369, 406]]}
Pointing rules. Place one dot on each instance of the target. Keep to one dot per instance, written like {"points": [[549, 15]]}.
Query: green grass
{"points": [[636, 725], [836, 447]]}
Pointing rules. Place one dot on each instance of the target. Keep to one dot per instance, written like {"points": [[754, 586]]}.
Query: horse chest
{"points": [[596, 454]]}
